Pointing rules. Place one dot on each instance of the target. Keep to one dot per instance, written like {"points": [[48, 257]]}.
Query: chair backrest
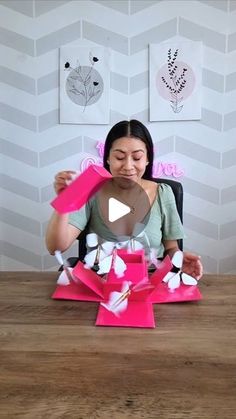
{"points": [[178, 193], [177, 189]]}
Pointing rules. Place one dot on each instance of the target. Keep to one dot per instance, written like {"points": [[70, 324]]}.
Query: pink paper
{"points": [[161, 271], [81, 189], [138, 314], [75, 291], [89, 278], [143, 295], [162, 294], [136, 268]]}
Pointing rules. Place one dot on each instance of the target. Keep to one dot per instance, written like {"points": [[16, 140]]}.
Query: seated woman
{"points": [[128, 156]]}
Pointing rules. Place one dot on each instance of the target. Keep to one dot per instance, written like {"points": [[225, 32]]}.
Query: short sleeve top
{"points": [[163, 223]]}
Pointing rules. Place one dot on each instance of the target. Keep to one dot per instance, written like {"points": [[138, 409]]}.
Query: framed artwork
{"points": [[84, 85], [175, 81]]}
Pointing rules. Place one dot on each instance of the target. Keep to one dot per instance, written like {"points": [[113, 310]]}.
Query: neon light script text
{"points": [[159, 168]]}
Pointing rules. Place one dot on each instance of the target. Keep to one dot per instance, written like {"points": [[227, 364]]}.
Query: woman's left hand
{"points": [[192, 265]]}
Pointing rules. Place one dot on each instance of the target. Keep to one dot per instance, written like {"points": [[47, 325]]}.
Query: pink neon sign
{"points": [[159, 168]]}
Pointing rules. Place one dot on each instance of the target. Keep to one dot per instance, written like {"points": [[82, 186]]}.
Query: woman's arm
{"points": [[60, 234], [171, 246]]}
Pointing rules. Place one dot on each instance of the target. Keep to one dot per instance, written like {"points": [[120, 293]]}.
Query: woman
{"points": [[128, 156]]}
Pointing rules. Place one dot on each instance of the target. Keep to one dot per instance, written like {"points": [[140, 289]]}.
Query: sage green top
{"points": [[163, 223]]}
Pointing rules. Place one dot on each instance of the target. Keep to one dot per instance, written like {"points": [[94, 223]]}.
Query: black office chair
{"points": [[178, 193], [177, 189]]}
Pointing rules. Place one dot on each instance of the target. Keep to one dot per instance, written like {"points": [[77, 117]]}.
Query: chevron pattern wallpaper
{"points": [[34, 146]]}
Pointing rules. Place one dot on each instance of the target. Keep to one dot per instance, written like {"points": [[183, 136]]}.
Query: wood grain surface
{"points": [[54, 363]]}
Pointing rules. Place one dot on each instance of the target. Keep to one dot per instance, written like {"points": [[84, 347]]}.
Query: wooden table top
{"points": [[55, 363]]}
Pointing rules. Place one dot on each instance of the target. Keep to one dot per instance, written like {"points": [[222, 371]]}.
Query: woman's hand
{"points": [[62, 180], [192, 265]]}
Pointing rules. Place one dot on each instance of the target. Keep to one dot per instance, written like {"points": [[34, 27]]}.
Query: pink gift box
{"points": [[139, 311], [81, 189]]}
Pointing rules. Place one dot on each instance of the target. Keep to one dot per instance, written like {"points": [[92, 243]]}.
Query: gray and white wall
{"points": [[34, 146]]}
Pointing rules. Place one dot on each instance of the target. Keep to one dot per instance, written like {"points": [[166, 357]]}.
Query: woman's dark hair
{"points": [[135, 129]]}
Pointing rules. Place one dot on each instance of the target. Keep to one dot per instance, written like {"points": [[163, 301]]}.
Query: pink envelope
{"points": [[138, 314], [162, 294], [81, 189]]}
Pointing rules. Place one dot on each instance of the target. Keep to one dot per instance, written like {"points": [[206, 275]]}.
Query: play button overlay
{"points": [[124, 209], [116, 209]]}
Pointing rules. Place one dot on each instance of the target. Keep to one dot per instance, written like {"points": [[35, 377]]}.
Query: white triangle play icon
{"points": [[116, 209]]}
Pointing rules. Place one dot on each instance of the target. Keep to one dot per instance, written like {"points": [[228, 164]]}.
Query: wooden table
{"points": [[54, 363]]}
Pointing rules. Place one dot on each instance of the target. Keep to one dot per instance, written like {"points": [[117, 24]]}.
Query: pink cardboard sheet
{"points": [[164, 267], [162, 294], [89, 278], [138, 314], [136, 268], [81, 189], [75, 291], [88, 286]]}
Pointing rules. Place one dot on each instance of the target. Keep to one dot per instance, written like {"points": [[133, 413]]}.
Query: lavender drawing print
{"points": [[175, 79], [178, 80]]}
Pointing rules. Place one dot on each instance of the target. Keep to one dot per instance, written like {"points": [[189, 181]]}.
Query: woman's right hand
{"points": [[62, 180]]}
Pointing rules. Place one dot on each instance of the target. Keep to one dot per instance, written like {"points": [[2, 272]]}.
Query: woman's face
{"points": [[128, 158]]}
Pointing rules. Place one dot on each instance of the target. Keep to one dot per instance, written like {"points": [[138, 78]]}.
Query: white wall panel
{"points": [[34, 146]]}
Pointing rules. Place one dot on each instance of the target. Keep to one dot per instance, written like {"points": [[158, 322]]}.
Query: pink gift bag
{"points": [[81, 189]]}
